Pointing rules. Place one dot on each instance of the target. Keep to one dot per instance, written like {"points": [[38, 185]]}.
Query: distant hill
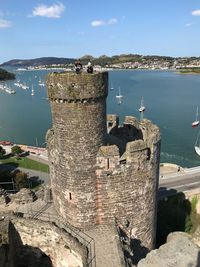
{"points": [[38, 61], [102, 60], [116, 59]]}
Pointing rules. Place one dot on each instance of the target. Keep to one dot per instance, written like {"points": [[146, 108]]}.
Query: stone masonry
{"points": [[101, 175], [78, 105], [35, 243]]}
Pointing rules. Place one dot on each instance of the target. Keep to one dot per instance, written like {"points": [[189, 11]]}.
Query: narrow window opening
{"points": [[108, 164], [70, 196], [123, 161], [148, 153]]}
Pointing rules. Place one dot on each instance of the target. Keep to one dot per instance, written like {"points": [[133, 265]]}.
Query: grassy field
{"points": [[27, 163]]}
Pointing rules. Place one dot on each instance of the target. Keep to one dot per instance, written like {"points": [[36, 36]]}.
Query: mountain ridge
{"points": [[102, 60], [37, 61]]}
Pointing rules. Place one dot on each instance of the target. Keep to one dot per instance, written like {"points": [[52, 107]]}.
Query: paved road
{"points": [[187, 181]]}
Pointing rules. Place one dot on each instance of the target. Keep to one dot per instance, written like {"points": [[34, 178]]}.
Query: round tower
{"points": [[78, 106]]}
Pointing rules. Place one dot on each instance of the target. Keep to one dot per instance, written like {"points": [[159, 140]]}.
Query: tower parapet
{"points": [[127, 178], [68, 87]]}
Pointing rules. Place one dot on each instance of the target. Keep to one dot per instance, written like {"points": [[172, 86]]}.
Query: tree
{"points": [[16, 150], [20, 179], [5, 75], [2, 152]]}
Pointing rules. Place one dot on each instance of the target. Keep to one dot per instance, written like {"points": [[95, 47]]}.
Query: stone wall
{"points": [[127, 183], [100, 178], [78, 105], [179, 250], [40, 244]]}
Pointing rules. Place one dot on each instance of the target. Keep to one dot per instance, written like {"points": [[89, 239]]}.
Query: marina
{"points": [[6, 89]]}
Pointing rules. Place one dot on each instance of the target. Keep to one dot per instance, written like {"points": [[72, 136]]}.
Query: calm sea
{"points": [[171, 100]]}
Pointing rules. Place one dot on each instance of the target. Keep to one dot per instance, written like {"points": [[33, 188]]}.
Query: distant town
{"points": [[129, 61]]}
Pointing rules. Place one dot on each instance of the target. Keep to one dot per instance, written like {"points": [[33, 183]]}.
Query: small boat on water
{"points": [[142, 106], [119, 97], [6, 89], [197, 144], [197, 149], [111, 88], [196, 122], [41, 83], [32, 91], [10, 91], [142, 109]]}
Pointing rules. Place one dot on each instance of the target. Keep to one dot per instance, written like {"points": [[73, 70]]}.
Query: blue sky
{"points": [[73, 28]]}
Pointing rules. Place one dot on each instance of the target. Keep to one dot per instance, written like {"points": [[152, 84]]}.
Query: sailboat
{"points": [[142, 107], [111, 88], [197, 145], [41, 83], [32, 91], [119, 97], [196, 122]]}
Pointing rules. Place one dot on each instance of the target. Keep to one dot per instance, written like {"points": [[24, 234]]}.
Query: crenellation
{"points": [[112, 123], [101, 174]]}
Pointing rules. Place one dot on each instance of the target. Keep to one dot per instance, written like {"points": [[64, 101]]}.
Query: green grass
{"points": [[190, 71], [26, 163]]}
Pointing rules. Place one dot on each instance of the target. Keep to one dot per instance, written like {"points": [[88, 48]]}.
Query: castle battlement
{"points": [[98, 173]]}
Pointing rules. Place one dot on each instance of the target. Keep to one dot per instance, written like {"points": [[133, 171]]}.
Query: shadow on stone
{"points": [[139, 251], [173, 215], [21, 255], [122, 135], [133, 250], [198, 261], [35, 181]]}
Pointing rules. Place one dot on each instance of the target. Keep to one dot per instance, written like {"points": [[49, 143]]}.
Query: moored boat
{"points": [[196, 122], [119, 97], [32, 91], [142, 107]]}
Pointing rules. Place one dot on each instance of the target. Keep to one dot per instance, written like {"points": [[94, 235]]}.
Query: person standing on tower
{"points": [[89, 67], [78, 66]]}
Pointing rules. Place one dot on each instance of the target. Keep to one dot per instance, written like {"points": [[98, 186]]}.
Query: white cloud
{"points": [[53, 11], [188, 24], [112, 21], [97, 23], [196, 12], [4, 23]]}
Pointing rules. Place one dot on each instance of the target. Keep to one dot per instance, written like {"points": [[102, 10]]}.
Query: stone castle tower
{"points": [[101, 172]]}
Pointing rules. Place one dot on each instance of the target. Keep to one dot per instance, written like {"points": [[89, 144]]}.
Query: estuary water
{"points": [[170, 98]]}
